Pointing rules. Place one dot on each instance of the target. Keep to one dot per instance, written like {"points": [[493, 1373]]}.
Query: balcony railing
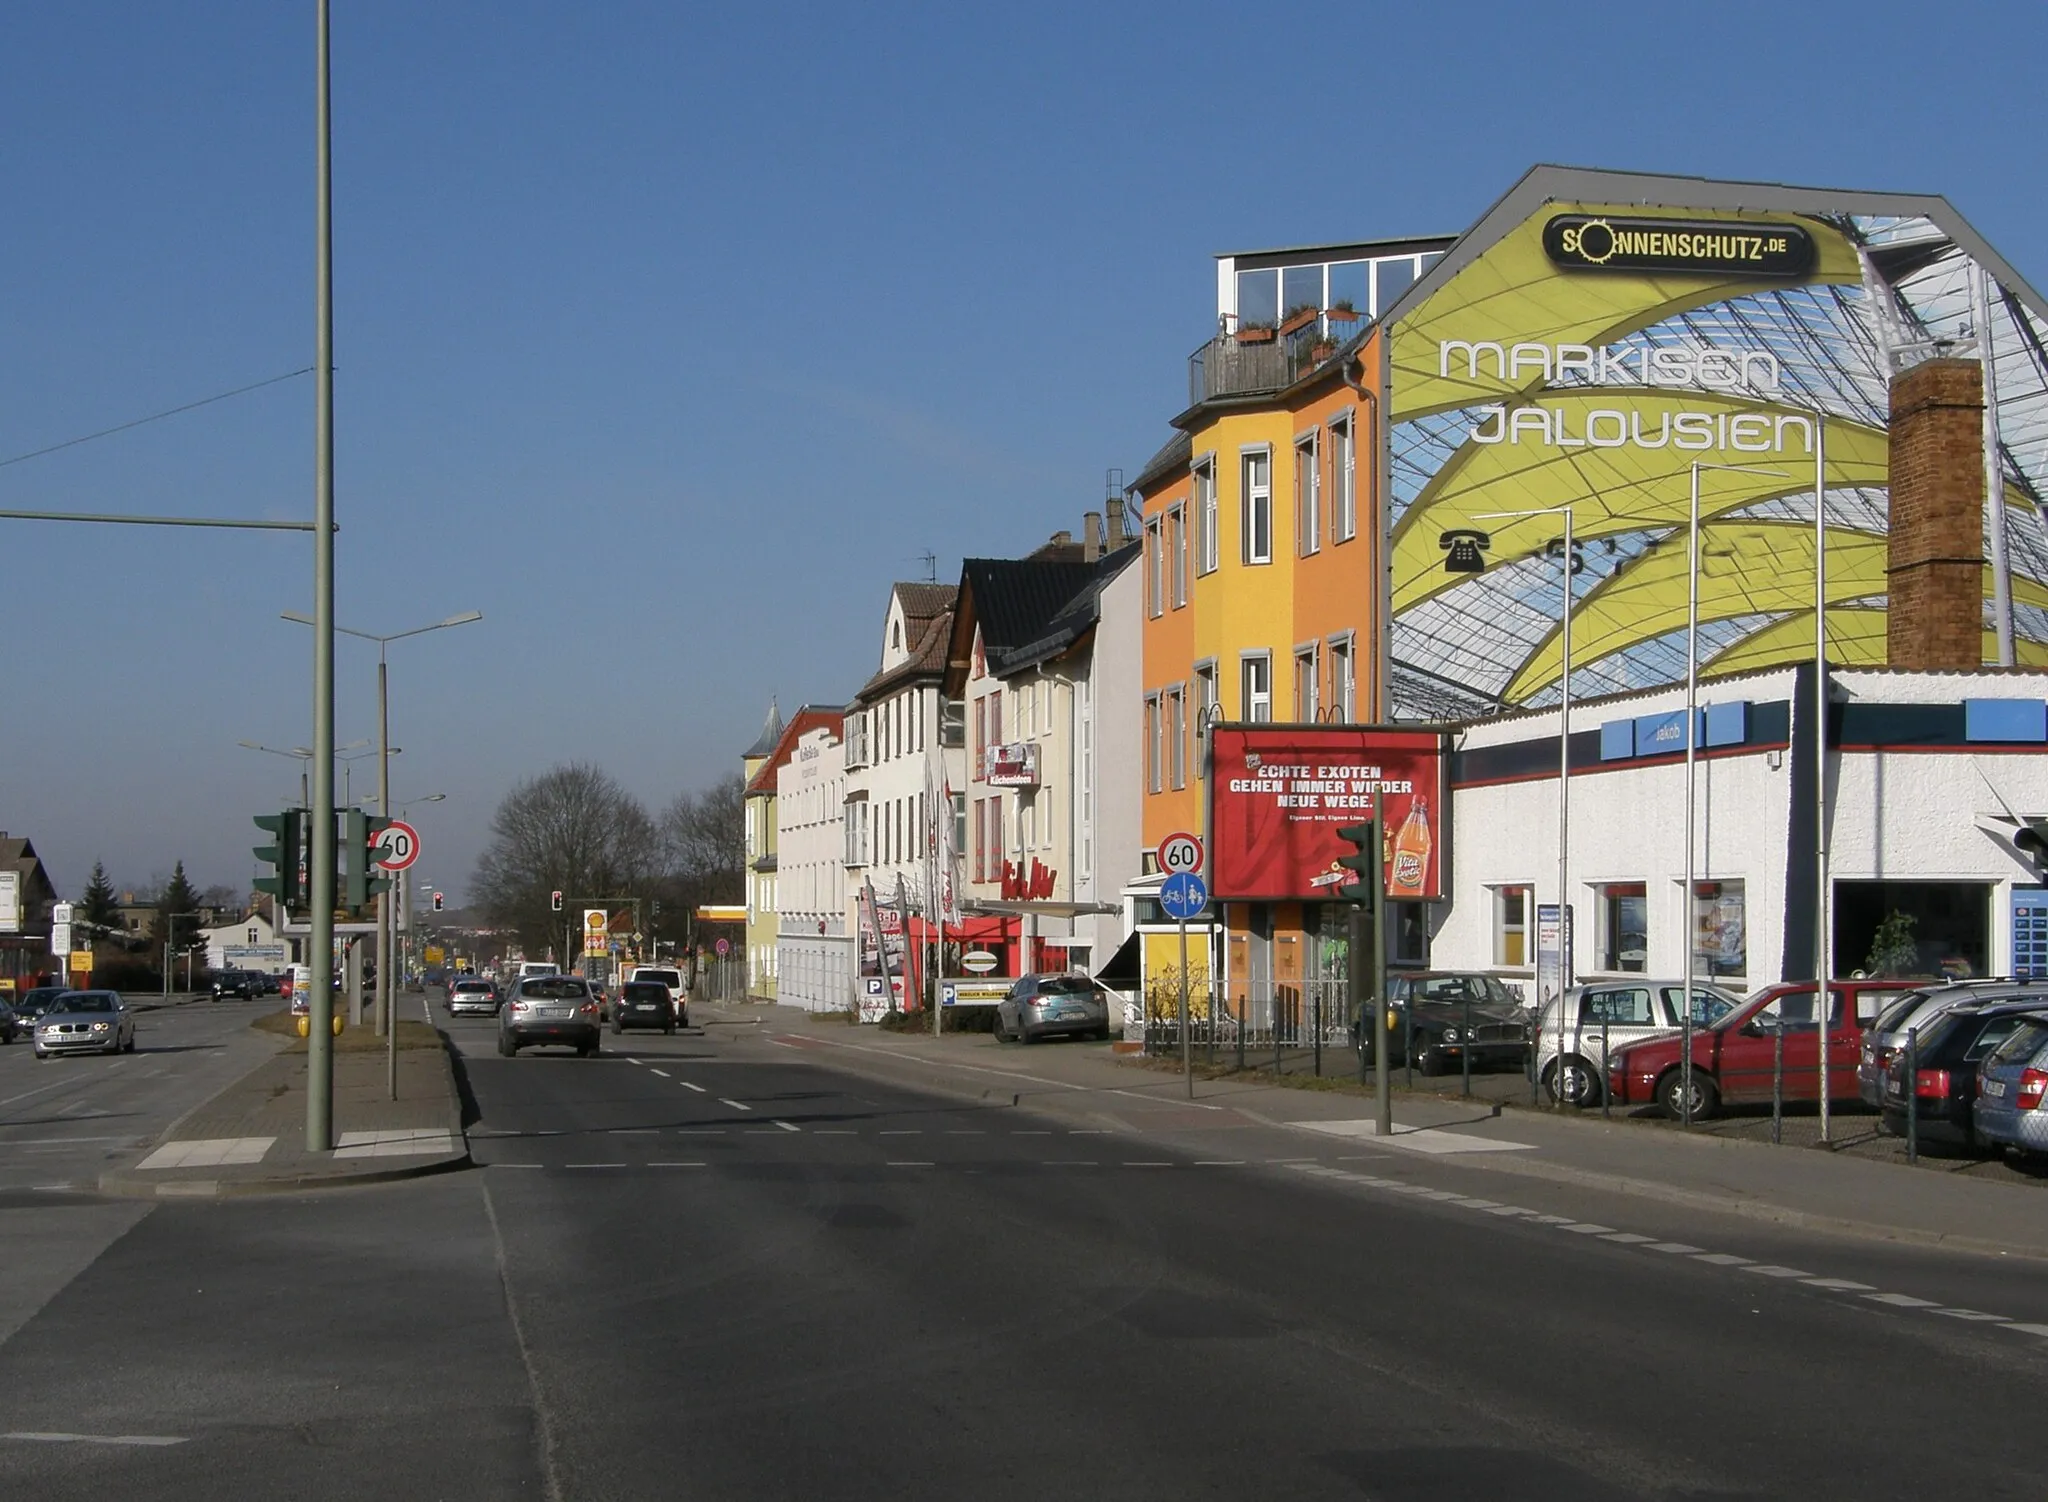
{"points": [[1241, 364]]}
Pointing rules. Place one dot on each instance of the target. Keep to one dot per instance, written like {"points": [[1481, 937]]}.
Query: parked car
{"points": [[1945, 1059], [85, 1022], [2012, 1086], [1887, 1035], [1733, 1060], [472, 993], [552, 1009], [1607, 1015], [643, 1003], [1052, 1006], [1436, 1008], [10, 1024]]}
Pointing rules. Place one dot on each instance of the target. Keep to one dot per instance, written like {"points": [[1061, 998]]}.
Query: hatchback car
{"points": [[30, 1004], [549, 1009], [473, 994], [2012, 1091], [643, 1003], [1945, 1056], [237, 983], [1052, 1006], [1604, 1015], [85, 1022], [1919, 1009]]}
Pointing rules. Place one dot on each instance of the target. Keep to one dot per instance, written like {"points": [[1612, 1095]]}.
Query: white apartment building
{"points": [[814, 943], [902, 751]]}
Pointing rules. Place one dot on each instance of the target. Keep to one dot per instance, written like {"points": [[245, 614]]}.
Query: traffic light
{"points": [[1364, 860], [287, 836], [437, 902], [358, 885], [557, 901]]}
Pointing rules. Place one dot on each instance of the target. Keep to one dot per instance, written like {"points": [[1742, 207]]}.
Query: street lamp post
{"points": [[385, 752]]}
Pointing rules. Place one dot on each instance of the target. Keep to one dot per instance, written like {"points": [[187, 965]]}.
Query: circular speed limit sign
{"points": [[398, 845], [1180, 852]]}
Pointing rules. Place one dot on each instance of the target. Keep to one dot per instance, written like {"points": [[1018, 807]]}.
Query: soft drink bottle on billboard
{"points": [[1411, 853]]}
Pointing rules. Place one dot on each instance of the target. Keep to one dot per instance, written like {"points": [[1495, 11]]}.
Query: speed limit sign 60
{"points": [[397, 846], [1180, 852]]}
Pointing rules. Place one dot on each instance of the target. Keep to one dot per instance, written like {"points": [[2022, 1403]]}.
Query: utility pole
{"points": [[320, 1008]]}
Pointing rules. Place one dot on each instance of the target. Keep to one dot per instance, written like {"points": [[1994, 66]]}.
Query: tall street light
{"points": [[1688, 923], [383, 641], [302, 754]]}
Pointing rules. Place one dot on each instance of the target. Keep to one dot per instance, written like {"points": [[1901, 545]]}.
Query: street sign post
{"points": [[980, 961], [1180, 852], [1181, 896], [397, 845]]}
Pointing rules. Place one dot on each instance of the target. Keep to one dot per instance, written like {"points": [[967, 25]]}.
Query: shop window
{"points": [[1913, 928], [1720, 934], [1624, 912], [1511, 926]]}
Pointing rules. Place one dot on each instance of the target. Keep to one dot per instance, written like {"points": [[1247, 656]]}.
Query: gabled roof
{"points": [[928, 617], [1027, 610], [808, 718], [17, 854], [922, 601]]}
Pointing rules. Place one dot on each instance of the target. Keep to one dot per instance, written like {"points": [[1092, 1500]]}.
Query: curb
{"points": [[128, 1185]]}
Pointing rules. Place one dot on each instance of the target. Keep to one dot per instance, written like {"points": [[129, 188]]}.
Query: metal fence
{"points": [[1294, 1027], [721, 980]]}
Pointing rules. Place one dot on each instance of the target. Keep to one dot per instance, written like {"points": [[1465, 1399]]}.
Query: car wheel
{"points": [[507, 1045], [40, 1056], [1706, 1097], [1430, 1060], [1574, 1082]]}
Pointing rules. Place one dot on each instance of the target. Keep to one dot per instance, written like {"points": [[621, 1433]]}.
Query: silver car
{"points": [[85, 1022], [1053, 1006], [2012, 1091], [1918, 1009], [472, 993], [1607, 1014]]}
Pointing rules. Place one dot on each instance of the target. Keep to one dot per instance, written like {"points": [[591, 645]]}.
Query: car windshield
{"points": [[1483, 989], [1066, 985], [2021, 1044], [669, 978], [472, 985], [644, 990], [553, 988], [84, 1001]]}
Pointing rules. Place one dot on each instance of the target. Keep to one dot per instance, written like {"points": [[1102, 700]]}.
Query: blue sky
{"points": [[668, 335]]}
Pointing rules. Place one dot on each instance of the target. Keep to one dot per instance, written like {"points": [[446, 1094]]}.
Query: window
{"points": [[1306, 699], [995, 838], [1255, 701], [1205, 706], [1511, 926], [1208, 547], [959, 809], [1155, 565], [1720, 943], [952, 723], [1155, 749], [1257, 530], [1027, 823], [856, 831], [1793, 1013], [1343, 680], [981, 839], [1177, 554], [1177, 733], [857, 739], [980, 762], [1308, 496], [1044, 799], [1624, 912], [995, 717], [1344, 473]]}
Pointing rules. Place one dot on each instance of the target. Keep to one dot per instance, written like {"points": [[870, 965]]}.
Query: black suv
{"points": [[643, 1003], [1449, 1014], [237, 983]]}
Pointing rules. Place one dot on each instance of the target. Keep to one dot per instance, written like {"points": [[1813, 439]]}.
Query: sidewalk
{"points": [[251, 1138], [1800, 1186]]}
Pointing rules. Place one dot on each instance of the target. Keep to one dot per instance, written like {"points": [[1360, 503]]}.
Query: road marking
{"points": [[901, 1132], [700, 1131], [688, 1086], [1839, 1285], [659, 1164], [1902, 1301], [1974, 1316], [98, 1439], [737, 1105], [515, 1165], [633, 1131], [908, 1163], [1722, 1259], [593, 1165], [789, 1126], [662, 1072], [1029, 1132], [1627, 1238], [1585, 1228], [1089, 1132], [1417, 1139], [1219, 1162], [1146, 1163], [1678, 1248], [2041, 1330], [1771, 1270]]}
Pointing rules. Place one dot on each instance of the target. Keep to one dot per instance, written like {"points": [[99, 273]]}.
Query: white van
{"points": [[666, 975], [537, 967]]}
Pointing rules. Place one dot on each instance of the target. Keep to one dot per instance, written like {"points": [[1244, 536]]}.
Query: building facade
{"points": [[815, 963]]}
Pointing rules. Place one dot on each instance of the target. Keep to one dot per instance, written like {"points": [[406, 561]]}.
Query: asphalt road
{"points": [[716, 1266]]}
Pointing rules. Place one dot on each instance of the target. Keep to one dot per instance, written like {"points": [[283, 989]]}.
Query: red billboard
{"points": [[1279, 793]]}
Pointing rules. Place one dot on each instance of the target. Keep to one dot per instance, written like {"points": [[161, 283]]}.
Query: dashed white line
{"points": [[98, 1439], [1722, 1259], [688, 1086], [1974, 1316], [593, 1165], [1219, 1162], [671, 1164], [1839, 1285], [1771, 1270], [1147, 1163], [737, 1105], [662, 1072], [908, 1163], [789, 1126], [1902, 1301], [1676, 1248]]}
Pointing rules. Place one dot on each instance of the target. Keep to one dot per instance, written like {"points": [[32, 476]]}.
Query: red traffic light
{"points": [[557, 896]]}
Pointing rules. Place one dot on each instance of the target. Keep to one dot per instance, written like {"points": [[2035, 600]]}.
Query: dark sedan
{"points": [[32, 1003], [1442, 1016], [1945, 1079]]}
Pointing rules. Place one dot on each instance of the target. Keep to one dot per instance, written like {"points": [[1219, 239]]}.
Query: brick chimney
{"points": [[1116, 537], [1091, 536], [1934, 563]]}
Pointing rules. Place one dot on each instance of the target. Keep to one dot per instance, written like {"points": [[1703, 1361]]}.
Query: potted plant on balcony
{"points": [[1341, 311], [1321, 348], [1255, 333], [1300, 316]]}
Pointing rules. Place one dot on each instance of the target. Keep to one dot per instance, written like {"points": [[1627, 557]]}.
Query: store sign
{"points": [[973, 993], [1279, 794], [1711, 247], [10, 902], [1012, 766], [1032, 884]]}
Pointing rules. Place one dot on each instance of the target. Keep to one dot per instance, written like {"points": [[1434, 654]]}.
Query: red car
{"points": [[1733, 1060]]}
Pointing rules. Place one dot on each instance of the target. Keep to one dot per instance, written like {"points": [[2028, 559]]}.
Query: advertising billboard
{"points": [[1604, 353], [1278, 794]]}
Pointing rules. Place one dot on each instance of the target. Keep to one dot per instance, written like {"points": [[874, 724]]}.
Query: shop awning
{"points": [[1039, 909], [1121, 973]]}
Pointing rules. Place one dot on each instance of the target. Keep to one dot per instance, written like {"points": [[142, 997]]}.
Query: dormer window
{"points": [[896, 635]]}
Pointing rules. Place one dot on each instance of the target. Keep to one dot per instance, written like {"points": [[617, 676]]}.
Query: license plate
{"points": [[1994, 1087], [1892, 1087], [554, 1011], [648, 1006]]}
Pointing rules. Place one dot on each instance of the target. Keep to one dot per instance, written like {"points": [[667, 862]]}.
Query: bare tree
{"points": [[704, 852], [572, 829]]}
